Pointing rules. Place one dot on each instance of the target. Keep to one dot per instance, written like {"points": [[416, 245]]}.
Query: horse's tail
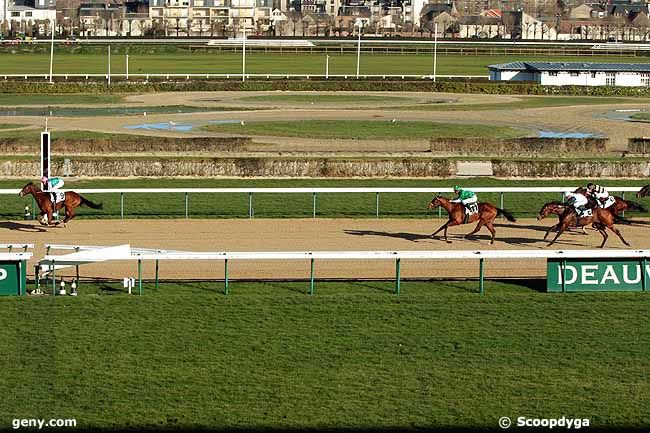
{"points": [[85, 201], [631, 205], [510, 217]]}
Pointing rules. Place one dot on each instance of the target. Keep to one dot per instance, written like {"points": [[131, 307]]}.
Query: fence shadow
{"points": [[21, 227]]}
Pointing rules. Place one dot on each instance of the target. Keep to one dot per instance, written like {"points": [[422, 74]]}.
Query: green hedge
{"points": [[456, 86]]}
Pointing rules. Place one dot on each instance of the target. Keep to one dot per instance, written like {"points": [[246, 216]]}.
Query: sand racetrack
{"points": [[305, 235]]}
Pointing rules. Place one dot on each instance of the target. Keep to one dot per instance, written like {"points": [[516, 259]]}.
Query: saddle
{"points": [[583, 213], [58, 196], [470, 209], [607, 203]]}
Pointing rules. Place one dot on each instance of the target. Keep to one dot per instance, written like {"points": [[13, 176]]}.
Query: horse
{"points": [[72, 200], [485, 216], [600, 220], [557, 208], [643, 192], [620, 204]]}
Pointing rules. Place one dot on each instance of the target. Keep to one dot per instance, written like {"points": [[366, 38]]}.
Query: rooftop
{"points": [[571, 66]]}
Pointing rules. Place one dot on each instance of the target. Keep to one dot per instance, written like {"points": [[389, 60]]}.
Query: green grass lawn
{"points": [[365, 129], [10, 125], [641, 116], [276, 63], [297, 205], [354, 355], [45, 99]]}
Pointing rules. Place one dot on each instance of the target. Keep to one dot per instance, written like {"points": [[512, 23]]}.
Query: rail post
{"points": [[157, 285], [397, 276], [250, 205], [563, 275], [313, 205], [140, 276], [311, 278], [187, 205], [122, 205], [377, 205], [481, 287], [53, 278], [644, 279], [501, 203], [623, 197], [225, 277]]}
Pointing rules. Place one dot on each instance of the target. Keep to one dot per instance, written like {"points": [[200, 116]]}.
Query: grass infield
{"points": [[366, 129], [354, 355]]}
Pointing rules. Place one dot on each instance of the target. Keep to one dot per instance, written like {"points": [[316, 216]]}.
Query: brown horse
{"points": [[600, 220], [620, 204], [44, 202], [557, 208], [643, 192], [485, 216]]}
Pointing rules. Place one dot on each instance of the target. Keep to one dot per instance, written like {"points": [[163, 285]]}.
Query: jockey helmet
{"points": [[456, 187], [44, 179], [591, 186], [567, 194]]}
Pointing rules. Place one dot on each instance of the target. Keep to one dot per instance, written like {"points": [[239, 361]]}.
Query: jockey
{"points": [[52, 185], [598, 192], [579, 201], [465, 196]]}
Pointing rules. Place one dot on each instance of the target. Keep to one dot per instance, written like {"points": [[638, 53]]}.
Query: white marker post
{"points": [[327, 67], [435, 50], [127, 67], [52, 50], [109, 65]]}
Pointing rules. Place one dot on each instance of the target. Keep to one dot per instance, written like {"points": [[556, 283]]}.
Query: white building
{"points": [[574, 74], [26, 14]]}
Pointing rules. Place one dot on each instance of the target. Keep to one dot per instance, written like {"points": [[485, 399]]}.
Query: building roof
{"points": [[572, 66]]}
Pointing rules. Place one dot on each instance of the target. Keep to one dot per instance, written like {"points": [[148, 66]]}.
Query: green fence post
{"points": [[311, 278], [157, 274], [481, 287], [225, 277], [314, 205], [563, 275], [53, 278], [122, 205], [501, 203], [187, 205], [397, 277], [140, 276], [37, 277], [250, 205], [623, 197]]}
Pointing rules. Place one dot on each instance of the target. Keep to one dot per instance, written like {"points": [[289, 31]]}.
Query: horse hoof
{"points": [[448, 242]]}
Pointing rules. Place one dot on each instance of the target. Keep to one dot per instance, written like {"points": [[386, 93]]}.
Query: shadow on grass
{"points": [[536, 284]]}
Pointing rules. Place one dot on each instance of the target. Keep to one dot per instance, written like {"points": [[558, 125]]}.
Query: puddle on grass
{"points": [[162, 126], [555, 134]]}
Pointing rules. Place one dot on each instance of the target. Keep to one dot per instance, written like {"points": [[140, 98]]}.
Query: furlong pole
{"points": [[359, 49], [109, 65], [243, 57]]}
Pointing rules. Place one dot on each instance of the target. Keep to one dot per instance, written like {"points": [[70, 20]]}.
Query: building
{"points": [[574, 74]]}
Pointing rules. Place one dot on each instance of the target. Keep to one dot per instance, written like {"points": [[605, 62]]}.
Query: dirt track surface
{"points": [[305, 235]]}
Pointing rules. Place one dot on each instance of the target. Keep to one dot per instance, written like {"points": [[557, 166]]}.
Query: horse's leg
{"points": [[478, 227], [561, 229], [618, 233], [69, 214], [441, 228], [449, 224], [602, 231], [555, 227], [490, 227]]}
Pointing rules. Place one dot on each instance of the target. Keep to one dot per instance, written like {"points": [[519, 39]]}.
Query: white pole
{"points": [[243, 57], [359, 49], [327, 67], [127, 67], [109, 65], [435, 50], [52, 50]]}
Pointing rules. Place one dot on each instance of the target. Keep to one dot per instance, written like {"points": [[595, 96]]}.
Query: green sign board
{"points": [[13, 276], [597, 275]]}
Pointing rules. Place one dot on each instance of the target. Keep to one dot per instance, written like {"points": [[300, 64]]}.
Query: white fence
{"points": [[315, 191], [126, 253]]}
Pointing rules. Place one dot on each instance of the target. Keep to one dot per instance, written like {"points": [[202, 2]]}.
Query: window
{"points": [[574, 74], [610, 79], [553, 73], [593, 75], [15, 14], [645, 80]]}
